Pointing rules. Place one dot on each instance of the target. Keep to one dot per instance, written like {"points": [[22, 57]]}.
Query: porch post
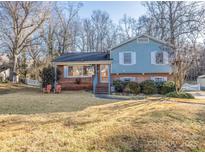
{"points": [[95, 78], [55, 81], [109, 79]]}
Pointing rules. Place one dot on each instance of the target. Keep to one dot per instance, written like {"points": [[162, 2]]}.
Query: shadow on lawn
{"points": [[165, 130], [200, 119], [27, 100], [5, 91], [16, 89]]}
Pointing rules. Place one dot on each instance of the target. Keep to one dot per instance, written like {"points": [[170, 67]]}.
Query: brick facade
{"points": [[86, 82], [70, 83]]}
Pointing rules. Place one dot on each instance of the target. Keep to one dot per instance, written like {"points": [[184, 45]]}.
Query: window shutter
{"points": [[65, 71], [153, 57], [133, 58], [121, 58], [166, 57]]}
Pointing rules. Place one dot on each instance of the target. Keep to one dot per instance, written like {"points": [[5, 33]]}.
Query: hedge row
{"points": [[146, 87]]}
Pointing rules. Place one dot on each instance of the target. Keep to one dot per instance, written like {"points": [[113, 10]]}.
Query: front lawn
{"points": [[18, 99], [95, 124]]}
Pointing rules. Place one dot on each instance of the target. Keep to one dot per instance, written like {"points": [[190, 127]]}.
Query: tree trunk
{"points": [[14, 69], [35, 70]]}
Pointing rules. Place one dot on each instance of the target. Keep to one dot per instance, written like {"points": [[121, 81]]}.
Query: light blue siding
{"points": [[143, 58]]}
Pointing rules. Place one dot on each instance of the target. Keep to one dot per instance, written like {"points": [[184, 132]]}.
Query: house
{"points": [[141, 58], [85, 71], [4, 67], [201, 82], [138, 59]]}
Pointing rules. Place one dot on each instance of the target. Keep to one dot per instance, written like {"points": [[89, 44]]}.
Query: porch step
{"points": [[102, 88]]}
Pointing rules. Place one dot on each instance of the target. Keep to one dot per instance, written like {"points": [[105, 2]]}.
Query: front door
{"points": [[104, 73]]}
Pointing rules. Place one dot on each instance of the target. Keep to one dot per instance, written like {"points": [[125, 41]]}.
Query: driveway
{"points": [[198, 94]]}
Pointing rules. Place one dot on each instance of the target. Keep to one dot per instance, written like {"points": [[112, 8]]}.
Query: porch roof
{"points": [[83, 57]]}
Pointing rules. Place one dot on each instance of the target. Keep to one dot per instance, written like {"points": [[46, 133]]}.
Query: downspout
{"points": [[109, 79]]}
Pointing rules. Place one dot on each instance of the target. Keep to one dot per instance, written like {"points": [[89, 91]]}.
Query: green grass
{"points": [[81, 122], [24, 100]]}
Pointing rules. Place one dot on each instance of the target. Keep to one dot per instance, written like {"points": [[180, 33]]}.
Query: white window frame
{"points": [[133, 58], [165, 58], [133, 79], [162, 58], [162, 77], [66, 70], [130, 62]]}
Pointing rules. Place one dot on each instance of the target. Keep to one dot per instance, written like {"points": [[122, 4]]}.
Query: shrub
{"points": [[148, 87], [132, 87], [1, 79], [159, 86], [48, 75], [119, 85], [180, 95], [167, 87], [4, 81]]}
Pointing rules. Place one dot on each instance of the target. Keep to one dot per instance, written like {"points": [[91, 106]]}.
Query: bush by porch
{"points": [[149, 87]]}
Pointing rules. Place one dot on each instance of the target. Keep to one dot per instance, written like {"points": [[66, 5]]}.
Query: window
{"points": [[127, 79], [75, 71], [159, 58], [159, 79], [78, 71], [127, 58]]}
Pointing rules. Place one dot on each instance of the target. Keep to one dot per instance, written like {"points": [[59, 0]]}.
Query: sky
{"points": [[115, 9]]}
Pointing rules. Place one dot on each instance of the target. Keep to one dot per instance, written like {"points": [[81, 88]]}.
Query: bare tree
{"points": [[35, 54], [157, 12], [101, 22], [182, 59], [19, 22], [67, 14], [145, 25], [98, 33], [197, 68], [48, 31], [128, 27], [174, 20], [88, 36], [181, 24]]}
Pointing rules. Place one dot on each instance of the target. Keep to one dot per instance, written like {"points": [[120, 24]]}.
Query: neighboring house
{"points": [[138, 59], [201, 82], [4, 67]]}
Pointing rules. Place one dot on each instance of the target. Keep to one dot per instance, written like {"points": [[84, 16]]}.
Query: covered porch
{"points": [[85, 74]]}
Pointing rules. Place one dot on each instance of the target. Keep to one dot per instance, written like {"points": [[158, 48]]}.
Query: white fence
{"points": [[191, 87], [33, 82]]}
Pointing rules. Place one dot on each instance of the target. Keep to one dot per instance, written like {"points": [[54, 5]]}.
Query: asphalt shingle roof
{"points": [[83, 56]]}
